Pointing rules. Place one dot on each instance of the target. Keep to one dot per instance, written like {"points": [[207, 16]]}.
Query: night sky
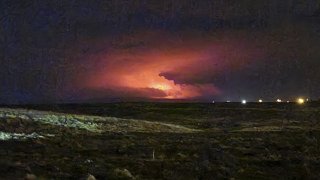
{"points": [[100, 51]]}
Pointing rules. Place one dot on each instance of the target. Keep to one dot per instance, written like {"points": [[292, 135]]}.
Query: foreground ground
{"points": [[160, 141]]}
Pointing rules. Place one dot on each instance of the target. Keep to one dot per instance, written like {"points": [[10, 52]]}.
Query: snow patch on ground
{"points": [[18, 136]]}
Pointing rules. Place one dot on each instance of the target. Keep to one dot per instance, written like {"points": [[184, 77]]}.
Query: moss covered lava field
{"points": [[160, 141]]}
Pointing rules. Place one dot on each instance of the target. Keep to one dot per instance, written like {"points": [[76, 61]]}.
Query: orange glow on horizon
{"points": [[166, 67]]}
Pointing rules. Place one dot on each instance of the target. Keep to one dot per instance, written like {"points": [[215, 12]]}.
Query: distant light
{"points": [[162, 87], [288, 101], [244, 102], [307, 99], [260, 101], [300, 101], [228, 101], [213, 102], [279, 100]]}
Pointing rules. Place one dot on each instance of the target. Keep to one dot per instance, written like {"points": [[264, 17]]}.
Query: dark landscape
{"points": [[159, 89], [160, 141]]}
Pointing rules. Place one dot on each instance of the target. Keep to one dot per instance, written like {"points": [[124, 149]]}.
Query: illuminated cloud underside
{"points": [[158, 65]]}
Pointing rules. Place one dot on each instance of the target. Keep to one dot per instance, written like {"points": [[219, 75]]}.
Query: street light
{"points": [[243, 102], [300, 101]]}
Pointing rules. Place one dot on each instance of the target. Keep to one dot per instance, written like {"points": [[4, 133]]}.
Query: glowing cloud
{"points": [[181, 67]]}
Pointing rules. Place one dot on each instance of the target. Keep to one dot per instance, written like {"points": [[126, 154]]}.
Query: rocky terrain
{"points": [[160, 141], [20, 126], [15, 123]]}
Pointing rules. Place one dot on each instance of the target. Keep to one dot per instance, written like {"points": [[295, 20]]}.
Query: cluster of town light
{"points": [[298, 101]]}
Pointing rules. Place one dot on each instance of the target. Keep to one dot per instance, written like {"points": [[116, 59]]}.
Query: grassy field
{"points": [[160, 141]]}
